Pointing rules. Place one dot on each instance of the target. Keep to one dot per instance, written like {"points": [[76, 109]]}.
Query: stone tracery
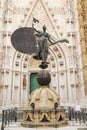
{"points": [[56, 55]]}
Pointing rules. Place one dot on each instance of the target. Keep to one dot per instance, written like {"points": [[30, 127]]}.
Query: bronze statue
{"points": [[42, 52], [24, 41], [42, 46]]}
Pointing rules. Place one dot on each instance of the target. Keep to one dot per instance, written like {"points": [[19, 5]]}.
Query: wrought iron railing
{"points": [[14, 115]]}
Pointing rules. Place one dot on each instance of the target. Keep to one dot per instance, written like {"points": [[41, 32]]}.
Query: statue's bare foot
{"points": [[43, 66], [45, 62], [36, 56]]}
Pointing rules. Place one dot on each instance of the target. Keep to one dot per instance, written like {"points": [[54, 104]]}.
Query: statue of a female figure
{"points": [[43, 46]]}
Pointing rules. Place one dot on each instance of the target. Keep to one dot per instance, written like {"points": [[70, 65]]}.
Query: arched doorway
{"points": [[33, 82]]}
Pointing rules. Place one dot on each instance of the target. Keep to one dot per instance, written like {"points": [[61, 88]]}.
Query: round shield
{"points": [[23, 40]]}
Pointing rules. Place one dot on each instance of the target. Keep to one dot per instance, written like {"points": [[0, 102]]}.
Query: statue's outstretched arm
{"points": [[63, 40]]}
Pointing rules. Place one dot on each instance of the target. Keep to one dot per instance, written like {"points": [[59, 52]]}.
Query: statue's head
{"points": [[44, 27]]}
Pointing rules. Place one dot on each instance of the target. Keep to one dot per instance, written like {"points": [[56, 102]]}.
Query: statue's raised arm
{"points": [[37, 32]]}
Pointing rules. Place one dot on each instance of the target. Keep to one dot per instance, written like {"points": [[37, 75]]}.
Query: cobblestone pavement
{"points": [[16, 126]]}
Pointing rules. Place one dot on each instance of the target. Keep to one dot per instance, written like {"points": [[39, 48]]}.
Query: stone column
{"points": [[82, 5]]}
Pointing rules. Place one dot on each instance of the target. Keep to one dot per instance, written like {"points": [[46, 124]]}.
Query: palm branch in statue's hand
{"points": [[54, 42], [64, 40]]}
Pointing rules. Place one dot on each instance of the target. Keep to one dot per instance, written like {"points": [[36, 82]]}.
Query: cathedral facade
{"points": [[67, 61]]}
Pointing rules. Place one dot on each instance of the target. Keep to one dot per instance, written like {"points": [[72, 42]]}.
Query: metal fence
{"points": [[77, 117], [10, 116]]}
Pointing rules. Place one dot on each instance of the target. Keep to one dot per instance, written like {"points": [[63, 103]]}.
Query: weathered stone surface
{"points": [[82, 129]]}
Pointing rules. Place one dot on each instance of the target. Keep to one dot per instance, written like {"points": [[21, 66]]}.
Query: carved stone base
{"points": [[44, 118]]}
